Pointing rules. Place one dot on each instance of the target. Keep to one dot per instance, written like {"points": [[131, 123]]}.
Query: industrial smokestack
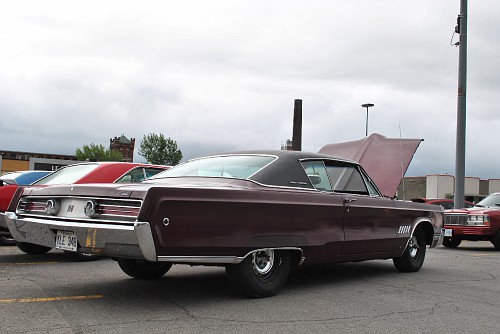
{"points": [[297, 126]]}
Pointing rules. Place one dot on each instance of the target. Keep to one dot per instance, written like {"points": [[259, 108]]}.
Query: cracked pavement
{"points": [[456, 291]]}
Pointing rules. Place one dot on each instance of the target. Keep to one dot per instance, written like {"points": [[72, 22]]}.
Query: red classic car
{"points": [[258, 213], [8, 186], [481, 222], [88, 172]]}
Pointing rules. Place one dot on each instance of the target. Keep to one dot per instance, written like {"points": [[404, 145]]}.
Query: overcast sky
{"points": [[223, 75]]}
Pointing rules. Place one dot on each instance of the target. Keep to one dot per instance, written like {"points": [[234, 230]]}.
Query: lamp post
{"points": [[367, 105]]}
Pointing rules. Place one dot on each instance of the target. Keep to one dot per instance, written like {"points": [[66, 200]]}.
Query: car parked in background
{"points": [[446, 203], [258, 213], [8, 186], [479, 223], [87, 172]]}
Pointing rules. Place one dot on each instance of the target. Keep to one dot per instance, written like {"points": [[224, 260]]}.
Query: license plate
{"points": [[66, 240], [448, 232]]}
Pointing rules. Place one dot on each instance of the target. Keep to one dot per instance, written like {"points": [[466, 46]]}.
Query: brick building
{"points": [[124, 145]]}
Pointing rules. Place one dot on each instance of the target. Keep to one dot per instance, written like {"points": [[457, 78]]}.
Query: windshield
{"points": [[232, 166], [490, 201], [68, 175]]}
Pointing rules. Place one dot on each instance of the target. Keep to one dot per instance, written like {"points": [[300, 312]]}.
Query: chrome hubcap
{"points": [[262, 261], [413, 246]]}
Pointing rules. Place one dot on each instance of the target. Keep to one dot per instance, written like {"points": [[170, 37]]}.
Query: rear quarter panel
{"points": [[235, 221]]}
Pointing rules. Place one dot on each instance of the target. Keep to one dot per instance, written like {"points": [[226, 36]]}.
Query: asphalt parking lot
{"points": [[456, 291]]}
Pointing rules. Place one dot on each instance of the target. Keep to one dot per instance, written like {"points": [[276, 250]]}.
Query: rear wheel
{"points": [[144, 269], [7, 241], [32, 248], [451, 242], [261, 274], [414, 254]]}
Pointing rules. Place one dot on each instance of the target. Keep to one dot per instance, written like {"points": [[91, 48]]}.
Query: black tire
{"points": [[32, 248], [451, 242], [496, 241], [414, 254], [261, 274], [144, 269], [80, 257], [7, 241]]}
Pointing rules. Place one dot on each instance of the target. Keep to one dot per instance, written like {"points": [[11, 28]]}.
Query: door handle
{"points": [[349, 200]]}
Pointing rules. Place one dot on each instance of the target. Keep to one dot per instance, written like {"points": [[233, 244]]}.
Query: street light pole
{"points": [[459, 195], [367, 105]]}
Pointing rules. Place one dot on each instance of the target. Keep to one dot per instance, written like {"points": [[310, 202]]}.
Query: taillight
{"points": [[118, 210]]}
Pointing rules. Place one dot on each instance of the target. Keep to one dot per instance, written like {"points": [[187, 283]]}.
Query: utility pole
{"points": [[461, 29]]}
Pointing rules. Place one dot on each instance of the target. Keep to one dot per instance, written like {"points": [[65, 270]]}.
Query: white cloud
{"points": [[222, 75]]}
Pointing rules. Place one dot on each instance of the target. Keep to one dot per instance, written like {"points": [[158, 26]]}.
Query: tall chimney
{"points": [[297, 126]]}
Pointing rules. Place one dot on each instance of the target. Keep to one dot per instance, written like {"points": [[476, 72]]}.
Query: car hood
{"points": [[384, 159]]}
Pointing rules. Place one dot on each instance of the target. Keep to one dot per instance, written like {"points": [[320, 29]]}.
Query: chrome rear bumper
{"points": [[114, 240]]}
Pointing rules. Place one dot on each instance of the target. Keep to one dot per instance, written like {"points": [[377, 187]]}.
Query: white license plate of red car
{"points": [[66, 240], [448, 232]]}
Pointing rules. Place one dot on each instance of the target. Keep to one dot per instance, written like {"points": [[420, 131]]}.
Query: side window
{"points": [[139, 174], [347, 178], [317, 174], [372, 189], [152, 171], [133, 176]]}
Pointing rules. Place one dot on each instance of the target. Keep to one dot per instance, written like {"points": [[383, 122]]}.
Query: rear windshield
{"points": [[231, 166], [68, 175], [30, 177]]}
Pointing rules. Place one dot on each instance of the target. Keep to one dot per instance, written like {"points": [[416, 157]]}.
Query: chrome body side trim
{"points": [[199, 259], [223, 259]]}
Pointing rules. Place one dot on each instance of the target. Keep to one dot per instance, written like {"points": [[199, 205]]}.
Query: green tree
{"points": [[95, 152], [160, 150]]}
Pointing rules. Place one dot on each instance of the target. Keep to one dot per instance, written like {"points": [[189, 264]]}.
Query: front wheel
{"points": [[451, 242], [144, 269], [32, 248], [261, 274], [414, 254]]}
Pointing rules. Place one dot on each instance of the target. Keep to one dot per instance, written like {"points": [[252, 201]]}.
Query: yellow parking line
{"points": [[48, 299], [25, 263]]}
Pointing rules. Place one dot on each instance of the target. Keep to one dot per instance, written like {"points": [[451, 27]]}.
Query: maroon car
{"points": [[87, 172], [258, 213], [481, 222]]}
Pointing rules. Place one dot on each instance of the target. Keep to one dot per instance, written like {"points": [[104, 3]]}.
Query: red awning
{"points": [[385, 159]]}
